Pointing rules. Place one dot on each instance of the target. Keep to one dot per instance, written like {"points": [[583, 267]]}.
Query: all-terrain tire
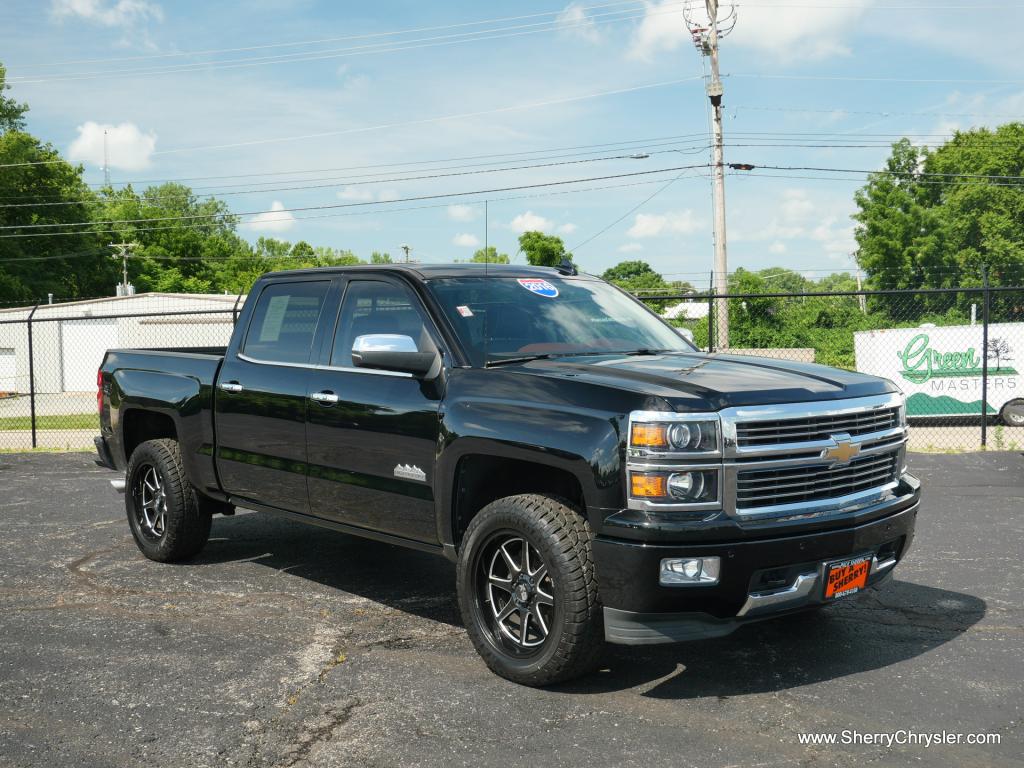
{"points": [[574, 624], [164, 513]]}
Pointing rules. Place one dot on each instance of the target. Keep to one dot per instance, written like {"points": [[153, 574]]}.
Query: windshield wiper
{"points": [[645, 351], [511, 360]]}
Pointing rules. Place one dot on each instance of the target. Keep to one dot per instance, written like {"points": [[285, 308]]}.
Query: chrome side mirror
{"points": [[394, 352]]}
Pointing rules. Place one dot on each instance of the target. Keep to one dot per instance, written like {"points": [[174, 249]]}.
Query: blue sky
{"points": [[526, 83]]}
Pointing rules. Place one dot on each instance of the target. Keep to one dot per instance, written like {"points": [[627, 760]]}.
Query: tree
{"points": [[490, 255], [543, 250], [43, 189], [935, 217], [12, 113], [380, 258]]}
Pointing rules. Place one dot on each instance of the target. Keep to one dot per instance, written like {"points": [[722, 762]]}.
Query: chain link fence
{"points": [[955, 352], [50, 354]]}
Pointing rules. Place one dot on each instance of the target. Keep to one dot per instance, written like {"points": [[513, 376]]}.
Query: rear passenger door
{"points": [[373, 435], [260, 406]]}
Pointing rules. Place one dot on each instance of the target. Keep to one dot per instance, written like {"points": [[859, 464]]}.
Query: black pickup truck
{"points": [[592, 474]]}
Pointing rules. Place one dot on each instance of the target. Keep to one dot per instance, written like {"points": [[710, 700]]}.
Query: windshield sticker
{"points": [[538, 286], [464, 311]]}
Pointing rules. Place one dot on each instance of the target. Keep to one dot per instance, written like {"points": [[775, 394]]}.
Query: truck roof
{"points": [[429, 271]]}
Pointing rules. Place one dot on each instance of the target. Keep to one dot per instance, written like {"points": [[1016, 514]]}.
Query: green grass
{"points": [[65, 421]]}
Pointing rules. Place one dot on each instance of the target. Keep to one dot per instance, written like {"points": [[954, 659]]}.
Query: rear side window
{"points": [[284, 322]]}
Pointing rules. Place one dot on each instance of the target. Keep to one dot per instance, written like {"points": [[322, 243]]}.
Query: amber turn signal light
{"points": [[649, 436], [644, 486]]}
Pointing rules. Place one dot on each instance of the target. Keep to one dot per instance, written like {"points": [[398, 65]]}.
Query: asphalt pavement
{"points": [[288, 645]]}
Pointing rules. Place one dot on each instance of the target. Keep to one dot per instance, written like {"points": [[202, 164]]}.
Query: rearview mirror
{"points": [[394, 352]]}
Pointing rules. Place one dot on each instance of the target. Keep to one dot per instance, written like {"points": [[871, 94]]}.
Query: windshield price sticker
{"points": [[464, 311], [538, 286]]}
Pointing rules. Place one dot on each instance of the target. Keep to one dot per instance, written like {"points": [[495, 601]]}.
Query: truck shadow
{"points": [[897, 622], [885, 626], [418, 583]]}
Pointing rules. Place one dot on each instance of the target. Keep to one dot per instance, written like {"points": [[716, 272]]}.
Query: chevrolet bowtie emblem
{"points": [[842, 450]]}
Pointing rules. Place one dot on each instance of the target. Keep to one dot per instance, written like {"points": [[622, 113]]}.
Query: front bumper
{"points": [[759, 578]]}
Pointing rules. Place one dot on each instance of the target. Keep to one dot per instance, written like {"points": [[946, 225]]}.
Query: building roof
{"points": [[111, 304]]}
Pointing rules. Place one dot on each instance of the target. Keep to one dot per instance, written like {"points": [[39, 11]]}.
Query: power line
{"points": [[348, 182], [213, 216], [319, 41], [384, 126], [375, 212], [838, 111], [862, 79], [376, 48], [910, 175]]}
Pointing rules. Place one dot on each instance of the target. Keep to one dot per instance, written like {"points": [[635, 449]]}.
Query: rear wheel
{"points": [[163, 512], [527, 590]]}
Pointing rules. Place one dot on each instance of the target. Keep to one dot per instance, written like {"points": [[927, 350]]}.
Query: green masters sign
{"points": [[920, 362]]}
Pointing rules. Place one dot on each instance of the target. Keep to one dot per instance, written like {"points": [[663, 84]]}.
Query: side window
{"points": [[284, 321], [373, 306]]}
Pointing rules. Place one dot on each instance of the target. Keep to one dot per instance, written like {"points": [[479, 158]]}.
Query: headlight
{"points": [[675, 436], [685, 486]]}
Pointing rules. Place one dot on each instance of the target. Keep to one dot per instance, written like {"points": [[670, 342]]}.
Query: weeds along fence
{"points": [[955, 352]]}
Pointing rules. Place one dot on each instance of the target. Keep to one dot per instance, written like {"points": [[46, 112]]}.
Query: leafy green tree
{"points": [[490, 255], [639, 278], [37, 187], [543, 250], [12, 113], [380, 258], [937, 216]]}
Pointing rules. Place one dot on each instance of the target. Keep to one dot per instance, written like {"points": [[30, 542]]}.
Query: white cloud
{"points": [[792, 33], [573, 20], [277, 219], [630, 248], [777, 248], [796, 205], [655, 224], [530, 222], [461, 212], [128, 148], [466, 240], [567, 229], [363, 195], [123, 13]]}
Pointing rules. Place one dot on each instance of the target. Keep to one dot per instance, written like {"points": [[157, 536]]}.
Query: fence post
{"points": [[985, 296], [711, 314], [32, 376]]}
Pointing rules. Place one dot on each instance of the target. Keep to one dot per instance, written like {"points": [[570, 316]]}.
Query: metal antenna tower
{"points": [[106, 161], [124, 252], [707, 27]]}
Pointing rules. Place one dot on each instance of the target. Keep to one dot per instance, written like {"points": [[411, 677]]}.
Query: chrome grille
{"points": [[813, 482], [782, 431]]}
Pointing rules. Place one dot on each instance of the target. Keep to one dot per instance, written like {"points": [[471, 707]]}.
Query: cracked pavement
{"points": [[288, 645]]}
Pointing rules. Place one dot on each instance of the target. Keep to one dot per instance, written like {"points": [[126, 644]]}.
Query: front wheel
{"points": [[164, 513], [527, 590]]}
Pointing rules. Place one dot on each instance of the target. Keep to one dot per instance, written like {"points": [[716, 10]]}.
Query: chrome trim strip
{"points": [[798, 592], [819, 506], [341, 368]]}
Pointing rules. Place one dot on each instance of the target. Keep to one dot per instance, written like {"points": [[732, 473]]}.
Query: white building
{"points": [[70, 339], [687, 310]]}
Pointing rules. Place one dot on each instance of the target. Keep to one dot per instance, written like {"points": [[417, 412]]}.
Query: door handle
{"points": [[231, 386], [324, 398]]}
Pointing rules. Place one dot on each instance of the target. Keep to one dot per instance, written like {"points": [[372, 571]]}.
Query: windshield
{"points": [[506, 318]]}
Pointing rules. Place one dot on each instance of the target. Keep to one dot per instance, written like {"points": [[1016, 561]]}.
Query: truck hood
{"points": [[712, 381]]}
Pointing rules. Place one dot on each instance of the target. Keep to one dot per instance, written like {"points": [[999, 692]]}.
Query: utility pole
{"points": [[706, 36], [407, 249], [124, 252]]}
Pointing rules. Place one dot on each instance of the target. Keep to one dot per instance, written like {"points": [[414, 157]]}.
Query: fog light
{"points": [[679, 571]]}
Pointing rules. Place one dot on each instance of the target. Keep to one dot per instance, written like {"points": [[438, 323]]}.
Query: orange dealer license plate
{"points": [[846, 577]]}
